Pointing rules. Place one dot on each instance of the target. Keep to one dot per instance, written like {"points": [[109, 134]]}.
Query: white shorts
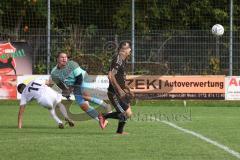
{"points": [[50, 99]]}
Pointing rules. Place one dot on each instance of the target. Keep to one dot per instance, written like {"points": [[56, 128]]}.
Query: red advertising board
{"points": [[8, 87]]}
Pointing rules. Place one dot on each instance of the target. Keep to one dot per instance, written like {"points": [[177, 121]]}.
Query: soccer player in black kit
{"points": [[118, 93]]}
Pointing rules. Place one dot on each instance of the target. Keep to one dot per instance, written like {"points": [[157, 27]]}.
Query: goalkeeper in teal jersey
{"points": [[69, 76]]}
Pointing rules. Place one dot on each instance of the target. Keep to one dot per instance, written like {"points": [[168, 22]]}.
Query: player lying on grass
{"points": [[45, 96], [69, 76], [118, 93]]}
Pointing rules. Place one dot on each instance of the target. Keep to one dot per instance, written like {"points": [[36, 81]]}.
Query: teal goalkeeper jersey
{"points": [[68, 73]]}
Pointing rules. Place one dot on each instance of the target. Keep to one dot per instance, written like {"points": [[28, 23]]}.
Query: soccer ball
{"points": [[217, 30]]}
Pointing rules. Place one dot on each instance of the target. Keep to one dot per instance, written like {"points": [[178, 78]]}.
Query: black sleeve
{"points": [[60, 84], [78, 80], [116, 63]]}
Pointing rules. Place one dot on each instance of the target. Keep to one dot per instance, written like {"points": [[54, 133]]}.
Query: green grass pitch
{"points": [[149, 137]]}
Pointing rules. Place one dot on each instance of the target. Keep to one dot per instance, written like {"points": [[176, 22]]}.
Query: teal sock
{"points": [[96, 100], [92, 113], [101, 103]]}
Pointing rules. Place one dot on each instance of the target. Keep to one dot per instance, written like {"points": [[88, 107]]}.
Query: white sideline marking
{"points": [[215, 143]]}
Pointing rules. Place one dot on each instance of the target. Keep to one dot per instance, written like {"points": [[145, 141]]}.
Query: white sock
{"points": [[54, 116], [62, 110]]}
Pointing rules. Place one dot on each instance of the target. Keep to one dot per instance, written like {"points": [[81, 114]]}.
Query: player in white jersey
{"points": [[46, 97]]}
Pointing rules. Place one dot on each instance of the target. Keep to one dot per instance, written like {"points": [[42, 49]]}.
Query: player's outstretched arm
{"points": [[20, 115]]}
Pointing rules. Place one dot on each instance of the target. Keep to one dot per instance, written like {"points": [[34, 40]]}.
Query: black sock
{"points": [[120, 127], [113, 115]]}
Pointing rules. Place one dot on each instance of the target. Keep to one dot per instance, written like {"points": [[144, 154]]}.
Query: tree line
{"points": [[116, 14]]}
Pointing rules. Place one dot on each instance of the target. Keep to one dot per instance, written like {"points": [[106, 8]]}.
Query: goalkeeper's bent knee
{"points": [[122, 117], [128, 114]]}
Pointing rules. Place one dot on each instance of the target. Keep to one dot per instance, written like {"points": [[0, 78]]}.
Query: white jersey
{"points": [[38, 90]]}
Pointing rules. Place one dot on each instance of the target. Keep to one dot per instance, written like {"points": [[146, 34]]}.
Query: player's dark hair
{"points": [[21, 87], [123, 44], [61, 52]]}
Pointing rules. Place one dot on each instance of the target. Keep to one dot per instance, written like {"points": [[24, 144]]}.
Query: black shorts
{"points": [[119, 105]]}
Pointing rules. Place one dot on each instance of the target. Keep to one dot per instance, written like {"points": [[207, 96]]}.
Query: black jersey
{"points": [[118, 66]]}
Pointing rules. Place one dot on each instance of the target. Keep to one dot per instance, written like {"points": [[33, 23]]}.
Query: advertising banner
{"points": [[8, 87], [146, 87], [15, 58], [180, 87], [232, 88]]}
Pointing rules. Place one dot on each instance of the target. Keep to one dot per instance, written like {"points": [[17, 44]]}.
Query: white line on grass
{"points": [[215, 143]]}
